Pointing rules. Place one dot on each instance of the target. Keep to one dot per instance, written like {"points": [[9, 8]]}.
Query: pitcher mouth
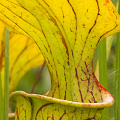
{"points": [[107, 100]]}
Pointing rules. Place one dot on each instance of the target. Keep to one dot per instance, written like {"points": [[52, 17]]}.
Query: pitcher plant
{"points": [[67, 32]]}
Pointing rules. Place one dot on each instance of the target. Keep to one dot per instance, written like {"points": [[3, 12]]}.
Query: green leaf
{"points": [[1, 100], [6, 75], [117, 76]]}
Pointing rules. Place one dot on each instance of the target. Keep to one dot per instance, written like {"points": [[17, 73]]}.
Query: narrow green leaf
{"points": [[1, 101], [6, 83], [103, 63], [117, 76], [103, 70]]}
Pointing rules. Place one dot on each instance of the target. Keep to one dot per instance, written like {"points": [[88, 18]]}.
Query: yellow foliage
{"points": [[24, 55]]}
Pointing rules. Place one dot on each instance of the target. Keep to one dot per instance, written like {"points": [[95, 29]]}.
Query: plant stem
{"points": [[6, 77], [38, 76], [103, 70], [118, 35], [1, 101], [117, 76]]}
